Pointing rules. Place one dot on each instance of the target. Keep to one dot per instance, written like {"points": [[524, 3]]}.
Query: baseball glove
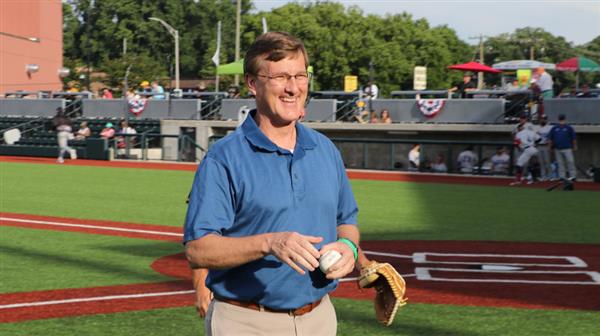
{"points": [[389, 286]]}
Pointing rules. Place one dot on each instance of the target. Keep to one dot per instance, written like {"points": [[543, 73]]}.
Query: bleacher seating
{"points": [[39, 139]]}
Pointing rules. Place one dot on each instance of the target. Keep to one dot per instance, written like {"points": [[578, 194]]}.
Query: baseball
{"points": [[329, 259]]}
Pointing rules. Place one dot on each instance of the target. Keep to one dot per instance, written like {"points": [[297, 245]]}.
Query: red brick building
{"points": [[31, 45]]}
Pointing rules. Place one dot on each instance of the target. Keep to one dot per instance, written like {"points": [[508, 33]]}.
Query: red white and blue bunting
{"points": [[137, 105], [430, 107]]}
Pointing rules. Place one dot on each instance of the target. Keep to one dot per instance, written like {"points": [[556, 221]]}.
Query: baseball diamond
{"points": [[549, 276]]}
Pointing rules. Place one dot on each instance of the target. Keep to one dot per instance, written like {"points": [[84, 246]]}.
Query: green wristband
{"points": [[352, 246]]}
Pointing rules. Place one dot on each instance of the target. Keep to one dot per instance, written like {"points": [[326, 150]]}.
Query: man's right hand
{"points": [[296, 250]]}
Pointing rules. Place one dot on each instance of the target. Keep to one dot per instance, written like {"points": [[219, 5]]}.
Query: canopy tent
{"points": [[237, 68], [523, 64], [474, 67], [234, 68], [578, 64]]}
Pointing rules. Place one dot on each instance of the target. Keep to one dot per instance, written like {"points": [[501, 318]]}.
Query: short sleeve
{"points": [[211, 204]]}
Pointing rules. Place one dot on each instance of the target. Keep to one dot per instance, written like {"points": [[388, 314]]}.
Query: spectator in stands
{"points": [[513, 86], [108, 132], [158, 92], [414, 157], [83, 132], [586, 93], [500, 161], [107, 94], [145, 87], [62, 124], [385, 117], [439, 165], [543, 79], [467, 85], [467, 160], [233, 92], [373, 118], [371, 90], [122, 141]]}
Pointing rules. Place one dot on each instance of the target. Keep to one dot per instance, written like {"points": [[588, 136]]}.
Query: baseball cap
{"points": [[562, 117], [144, 83], [109, 125]]}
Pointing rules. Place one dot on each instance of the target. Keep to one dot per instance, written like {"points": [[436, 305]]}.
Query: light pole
{"points": [[26, 38], [481, 60], [238, 20], [175, 35]]}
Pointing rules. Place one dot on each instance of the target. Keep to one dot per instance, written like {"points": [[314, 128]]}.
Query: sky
{"points": [[578, 21]]}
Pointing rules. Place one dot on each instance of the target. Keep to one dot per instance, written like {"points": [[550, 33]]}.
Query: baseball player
{"points": [[544, 149], [563, 139], [467, 160], [525, 139]]}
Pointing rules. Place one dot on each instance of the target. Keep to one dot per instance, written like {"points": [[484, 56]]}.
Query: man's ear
{"points": [[250, 83]]}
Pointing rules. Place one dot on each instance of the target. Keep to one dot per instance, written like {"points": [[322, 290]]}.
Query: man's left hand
{"points": [[345, 265]]}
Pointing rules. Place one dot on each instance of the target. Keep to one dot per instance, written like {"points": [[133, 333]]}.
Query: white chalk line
{"points": [[90, 299], [87, 226]]}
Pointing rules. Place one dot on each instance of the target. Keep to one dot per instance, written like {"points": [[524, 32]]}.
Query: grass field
{"points": [[37, 260]]}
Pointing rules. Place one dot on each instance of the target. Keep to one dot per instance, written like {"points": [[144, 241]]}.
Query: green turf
{"points": [[42, 260], [130, 195], [355, 318], [405, 211], [388, 210]]}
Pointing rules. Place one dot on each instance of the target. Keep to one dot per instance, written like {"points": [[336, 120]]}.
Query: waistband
{"points": [[255, 306]]}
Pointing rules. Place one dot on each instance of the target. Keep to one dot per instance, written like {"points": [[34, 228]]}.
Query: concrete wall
{"points": [[385, 155], [33, 107]]}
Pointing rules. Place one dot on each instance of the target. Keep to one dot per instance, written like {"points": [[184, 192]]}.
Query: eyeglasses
{"points": [[281, 79]]}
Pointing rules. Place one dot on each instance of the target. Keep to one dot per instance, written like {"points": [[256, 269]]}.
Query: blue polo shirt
{"points": [[246, 185], [562, 136]]}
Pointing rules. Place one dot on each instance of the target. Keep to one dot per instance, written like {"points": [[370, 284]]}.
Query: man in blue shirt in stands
{"points": [[563, 139], [267, 201]]}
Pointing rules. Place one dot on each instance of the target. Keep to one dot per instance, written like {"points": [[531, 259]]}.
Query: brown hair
{"points": [[272, 46]]}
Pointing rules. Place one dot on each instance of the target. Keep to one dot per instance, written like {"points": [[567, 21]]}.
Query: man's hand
{"points": [[296, 250], [203, 294], [203, 298], [345, 265]]}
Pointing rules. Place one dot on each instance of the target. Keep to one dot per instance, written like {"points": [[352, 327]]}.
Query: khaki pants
{"points": [[224, 319]]}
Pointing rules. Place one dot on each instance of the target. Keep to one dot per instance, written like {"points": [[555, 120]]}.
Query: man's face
{"points": [[281, 101]]}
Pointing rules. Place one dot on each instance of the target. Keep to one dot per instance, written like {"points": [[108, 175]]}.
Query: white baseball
{"points": [[329, 259]]}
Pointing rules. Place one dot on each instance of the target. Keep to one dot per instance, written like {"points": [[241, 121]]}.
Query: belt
{"points": [[255, 306]]}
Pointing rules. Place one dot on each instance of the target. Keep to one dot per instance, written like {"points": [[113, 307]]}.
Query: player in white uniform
{"points": [[526, 139], [544, 148], [467, 160], [500, 161]]}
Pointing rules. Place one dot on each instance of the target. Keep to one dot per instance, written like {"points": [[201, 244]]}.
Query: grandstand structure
{"points": [[184, 128]]}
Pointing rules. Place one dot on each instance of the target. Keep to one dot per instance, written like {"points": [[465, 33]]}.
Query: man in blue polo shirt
{"points": [[563, 139], [267, 201]]}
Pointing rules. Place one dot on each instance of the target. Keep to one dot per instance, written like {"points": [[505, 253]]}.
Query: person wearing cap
{"points": [[500, 161], [467, 85], [563, 140], [544, 149], [108, 132]]}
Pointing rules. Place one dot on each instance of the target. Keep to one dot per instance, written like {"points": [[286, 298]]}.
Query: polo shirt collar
{"points": [[257, 138]]}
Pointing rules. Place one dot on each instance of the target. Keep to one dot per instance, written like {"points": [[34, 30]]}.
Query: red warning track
{"points": [[547, 258], [353, 174]]}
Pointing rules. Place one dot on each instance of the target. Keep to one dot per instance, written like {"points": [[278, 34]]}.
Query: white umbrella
{"points": [[523, 64]]}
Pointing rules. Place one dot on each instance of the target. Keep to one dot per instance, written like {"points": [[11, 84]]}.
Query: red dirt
{"points": [[353, 174]]}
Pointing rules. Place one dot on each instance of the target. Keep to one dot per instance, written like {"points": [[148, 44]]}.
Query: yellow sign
{"points": [[523, 76], [350, 83]]}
